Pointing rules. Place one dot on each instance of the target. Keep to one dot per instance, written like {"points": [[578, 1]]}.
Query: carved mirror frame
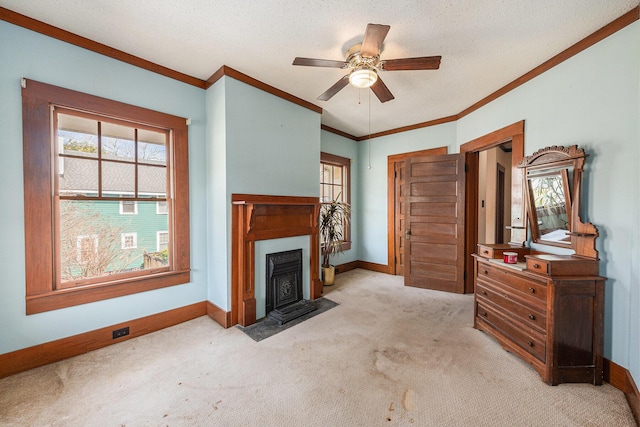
{"points": [[559, 158]]}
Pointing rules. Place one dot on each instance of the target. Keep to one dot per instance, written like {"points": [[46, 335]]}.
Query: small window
{"points": [[86, 248], [128, 207], [161, 208], [162, 239], [335, 182], [129, 240]]}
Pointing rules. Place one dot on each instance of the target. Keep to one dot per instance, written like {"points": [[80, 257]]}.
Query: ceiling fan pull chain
{"points": [[369, 139]]}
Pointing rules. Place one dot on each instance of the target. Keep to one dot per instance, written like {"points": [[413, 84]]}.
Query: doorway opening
{"points": [[494, 195], [514, 214]]}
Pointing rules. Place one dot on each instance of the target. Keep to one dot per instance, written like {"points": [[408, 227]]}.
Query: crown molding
{"points": [[338, 132], [66, 36], [237, 75], [410, 127], [85, 43], [604, 32]]}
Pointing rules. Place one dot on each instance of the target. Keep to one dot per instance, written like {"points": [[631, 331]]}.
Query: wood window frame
{"points": [[345, 162], [38, 157]]}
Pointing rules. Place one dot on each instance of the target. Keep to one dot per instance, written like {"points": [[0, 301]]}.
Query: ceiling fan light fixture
{"points": [[363, 77]]}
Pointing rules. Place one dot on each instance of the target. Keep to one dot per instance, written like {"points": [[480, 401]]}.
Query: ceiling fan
{"points": [[364, 62]]}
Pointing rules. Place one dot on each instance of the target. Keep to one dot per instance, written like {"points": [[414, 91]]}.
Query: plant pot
{"points": [[328, 275]]}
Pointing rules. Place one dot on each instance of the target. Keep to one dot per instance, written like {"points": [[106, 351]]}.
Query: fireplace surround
{"points": [[263, 217]]}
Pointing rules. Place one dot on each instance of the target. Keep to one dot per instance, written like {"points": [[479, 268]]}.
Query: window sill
{"points": [[346, 246], [91, 293]]}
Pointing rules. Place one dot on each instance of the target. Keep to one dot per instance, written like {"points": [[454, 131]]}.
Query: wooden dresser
{"points": [[547, 309]]}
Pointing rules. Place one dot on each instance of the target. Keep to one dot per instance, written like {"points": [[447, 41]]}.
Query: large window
{"points": [[95, 172], [335, 183]]}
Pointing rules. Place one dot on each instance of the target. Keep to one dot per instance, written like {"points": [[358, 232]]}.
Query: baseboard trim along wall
{"points": [[54, 351], [222, 317], [621, 379], [366, 265]]}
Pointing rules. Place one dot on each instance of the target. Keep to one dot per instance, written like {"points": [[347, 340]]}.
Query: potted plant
{"points": [[334, 217]]}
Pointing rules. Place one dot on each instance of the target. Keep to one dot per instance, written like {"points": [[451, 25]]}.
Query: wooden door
{"points": [[434, 211], [399, 217]]}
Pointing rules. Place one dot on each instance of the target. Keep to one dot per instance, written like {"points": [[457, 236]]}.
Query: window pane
{"points": [[128, 207], [118, 142], [152, 147], [327, 193], [96, 241], [77, 176], [337, 175], [152, 181], [129, 240], [77, 136], [118, 179], [326, 174]]}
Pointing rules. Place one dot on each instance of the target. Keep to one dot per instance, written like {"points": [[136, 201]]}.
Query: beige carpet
{"points": [[386, 356]]}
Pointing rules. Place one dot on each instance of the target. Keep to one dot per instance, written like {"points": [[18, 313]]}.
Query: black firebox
{"points": [[284, 301]]}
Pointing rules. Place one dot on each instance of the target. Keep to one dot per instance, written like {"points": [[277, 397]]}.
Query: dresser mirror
{"points": [[549, 197], [553, 188]]}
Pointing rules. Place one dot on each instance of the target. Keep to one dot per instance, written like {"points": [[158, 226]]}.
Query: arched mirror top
{"points": [[554, 157], [553, 177]]}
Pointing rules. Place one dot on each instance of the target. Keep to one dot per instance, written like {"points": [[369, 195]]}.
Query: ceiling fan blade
{"points": [[311, 62], [334, 89], [423, 63], [373, 38], [382, 91]]}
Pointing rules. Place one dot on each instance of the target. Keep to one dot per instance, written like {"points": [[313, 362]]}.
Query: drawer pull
{"points": [[486, 272], [485, 252], [536, 265], [530, 343], [532, 317], [483, 314], [532, 290], [484, 293]]}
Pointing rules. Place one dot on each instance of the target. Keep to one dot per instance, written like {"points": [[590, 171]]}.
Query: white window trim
{"points": [[158, 233], [135, 208], [123, 239], [160, 211]]}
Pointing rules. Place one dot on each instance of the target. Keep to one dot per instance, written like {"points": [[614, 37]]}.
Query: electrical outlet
{"points": [[122, 332]]}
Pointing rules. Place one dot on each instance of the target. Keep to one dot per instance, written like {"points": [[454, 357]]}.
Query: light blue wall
{"points": [[270, 146], [27, 54], [239, 136], [217, 201], [341, 146], [592, 100], [372, 176]]}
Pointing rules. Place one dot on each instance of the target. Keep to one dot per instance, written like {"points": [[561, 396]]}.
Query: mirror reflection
{"points": [[549, 195]]}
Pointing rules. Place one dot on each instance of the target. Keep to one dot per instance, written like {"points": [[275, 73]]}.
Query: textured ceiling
{"points": [[484, 44]]}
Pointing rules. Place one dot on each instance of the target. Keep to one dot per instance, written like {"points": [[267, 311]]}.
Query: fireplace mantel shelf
{"points": [[263, 217], [256, 199]]}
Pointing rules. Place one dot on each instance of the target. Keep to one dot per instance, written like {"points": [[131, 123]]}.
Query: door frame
{"points": [[513, 133], [391, 198]]}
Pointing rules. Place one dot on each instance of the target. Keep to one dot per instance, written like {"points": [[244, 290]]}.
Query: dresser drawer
{"points": [[530, 340], [538, 266], [511, 279], [562, 265], [497, 251], [513, 304]]}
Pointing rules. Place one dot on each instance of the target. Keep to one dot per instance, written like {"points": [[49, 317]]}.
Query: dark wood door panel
{"points": [[434, 217]]}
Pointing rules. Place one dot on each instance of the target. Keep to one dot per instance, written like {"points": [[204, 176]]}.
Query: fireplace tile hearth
{"points": [[267, 327]]}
